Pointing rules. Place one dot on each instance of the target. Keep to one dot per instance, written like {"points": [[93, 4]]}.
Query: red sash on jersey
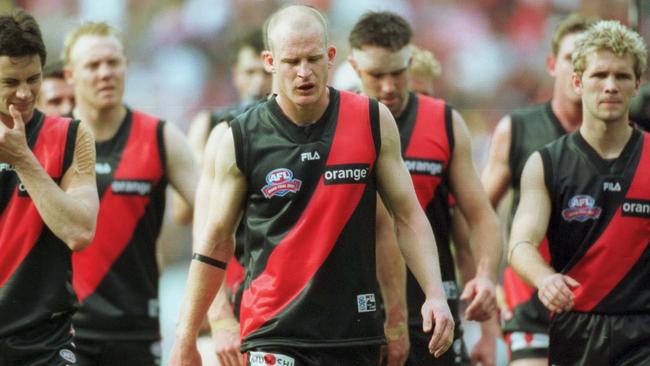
{"points": [[20, 223], [618, 248], [297, 257], [119, 214], [429, 141]]}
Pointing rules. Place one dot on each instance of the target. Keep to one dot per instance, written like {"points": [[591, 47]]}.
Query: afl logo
{"points": [[279, 182], [581, 208]]}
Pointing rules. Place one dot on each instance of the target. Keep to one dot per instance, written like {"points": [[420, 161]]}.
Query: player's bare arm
{"points": [[391, 274], [69, 210], [496, 176], [484, 350], [216, 242], [484, 230], [414, 234], [209, 154], [182, 172], [528, 230], [223, 324]]}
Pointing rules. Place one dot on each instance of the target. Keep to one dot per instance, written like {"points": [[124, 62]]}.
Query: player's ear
{"points": [[550, 65], [576, 81], [331, 53], [267, 56]]}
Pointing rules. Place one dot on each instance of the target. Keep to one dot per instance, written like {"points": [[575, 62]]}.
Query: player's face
{"points": [[20, 83], [98, 69], [607, 86], [57, 97], [250, 77], [562, 69], [301, 62], [384, 75]]}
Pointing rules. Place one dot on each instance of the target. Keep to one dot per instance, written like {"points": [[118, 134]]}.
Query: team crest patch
{"points": [[68, 355], [279, 182], [269, 359], [581, 208]]}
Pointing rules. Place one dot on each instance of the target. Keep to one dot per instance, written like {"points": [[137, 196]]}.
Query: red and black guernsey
{"points": [[600, 222], [531, 128], [116, 276], [427, 142], [35, 270], [310, 226]]}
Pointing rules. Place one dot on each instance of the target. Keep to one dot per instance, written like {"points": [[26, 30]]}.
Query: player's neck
{"points": [[304, 115], [607, 138], [104, 123], [568, 113]]}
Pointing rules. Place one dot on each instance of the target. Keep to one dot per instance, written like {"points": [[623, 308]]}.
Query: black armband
{"points": [[207, 260]]}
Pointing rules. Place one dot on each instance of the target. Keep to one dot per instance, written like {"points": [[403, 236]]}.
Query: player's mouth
{"points": [[306, 88]]}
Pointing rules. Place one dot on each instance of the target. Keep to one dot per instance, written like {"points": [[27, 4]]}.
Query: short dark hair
{"points": [[381, 29], [53, 70], [252, 38], [20, 36]]}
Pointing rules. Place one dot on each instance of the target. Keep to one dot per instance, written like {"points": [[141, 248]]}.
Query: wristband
{"points": [[210, 261], [228, 324], [514, 246], [395, 332]]}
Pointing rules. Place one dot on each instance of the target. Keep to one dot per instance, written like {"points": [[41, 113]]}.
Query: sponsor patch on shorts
{"points": [[366, 303], [68, 355], [269, 359]]}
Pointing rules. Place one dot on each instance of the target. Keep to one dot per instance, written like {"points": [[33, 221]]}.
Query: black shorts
{"points": [[526, 334], [121, 353], [597, 339], [46, 344], [340, 356], [419, 354]]}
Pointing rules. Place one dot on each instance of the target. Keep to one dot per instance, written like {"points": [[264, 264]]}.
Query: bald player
{"points": [[305, 166]]}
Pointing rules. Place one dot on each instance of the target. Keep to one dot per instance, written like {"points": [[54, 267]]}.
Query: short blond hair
{"points": [[87, 29], [612, 36], [424, 63]]}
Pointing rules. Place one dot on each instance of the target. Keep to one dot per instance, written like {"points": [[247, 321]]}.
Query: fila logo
{"points": [[611, 187], [4, 167], [310, 156]]}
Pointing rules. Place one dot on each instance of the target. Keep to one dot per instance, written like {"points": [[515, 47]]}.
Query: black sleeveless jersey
{"points": [[116, 276], [427, 141], [532, 128], [310, 226], [35, 270], [599, 227], [229, 113]]}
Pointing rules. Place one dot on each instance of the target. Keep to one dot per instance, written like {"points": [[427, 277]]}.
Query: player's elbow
{"points": [[81, 239]]}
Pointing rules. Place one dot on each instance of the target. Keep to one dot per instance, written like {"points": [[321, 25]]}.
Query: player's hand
{"points": [[555, 292], [396, 351], [502, 303], [184, 353], [226, 342], [13, 143], [480, 291], [485, 349], [436, 316]]}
